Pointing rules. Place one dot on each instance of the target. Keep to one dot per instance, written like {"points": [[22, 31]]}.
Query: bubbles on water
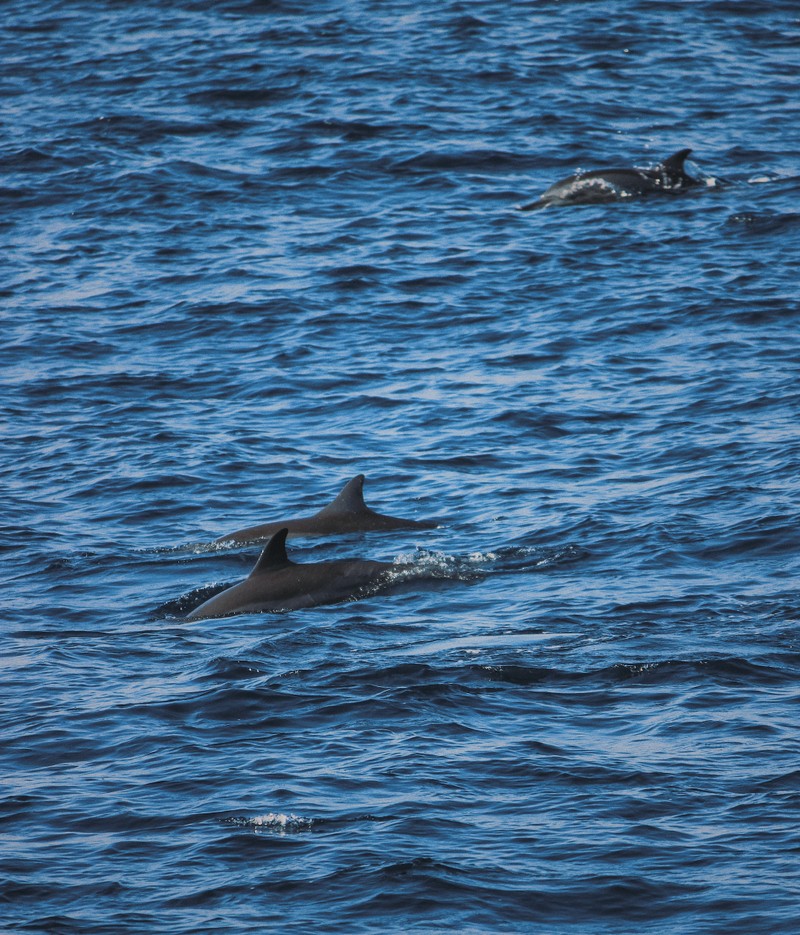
{"points": [[437, 564], [274, 821]]}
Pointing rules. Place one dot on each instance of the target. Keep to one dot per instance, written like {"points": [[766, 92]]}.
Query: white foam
{"points": [[278, 821]]}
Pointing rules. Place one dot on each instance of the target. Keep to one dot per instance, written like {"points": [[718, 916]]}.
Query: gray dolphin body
{"points": [[277, 583], [604, 185], [347, 513]]}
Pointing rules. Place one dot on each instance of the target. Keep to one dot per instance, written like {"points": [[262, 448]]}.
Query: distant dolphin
{"points": [[347, 513], [277, 584], [603, 185]]}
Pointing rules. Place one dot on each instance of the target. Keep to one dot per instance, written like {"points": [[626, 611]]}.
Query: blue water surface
{"points": [[253, 248]]}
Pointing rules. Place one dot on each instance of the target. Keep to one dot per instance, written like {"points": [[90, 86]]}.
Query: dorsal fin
{"points": [[674, 164], [274, 554], [349, 500]]}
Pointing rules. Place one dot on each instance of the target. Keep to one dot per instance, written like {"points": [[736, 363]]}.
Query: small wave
{"points": [[483, 160], [225, 669], [186, 603], [753, 222], [766, 179], [528, 558], [351, 131], [244, 97], [785, 782], [721, 670], [466, 25], [479, 642]]}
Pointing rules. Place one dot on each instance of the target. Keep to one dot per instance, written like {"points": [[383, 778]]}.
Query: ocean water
{"points": [[252, 249]]}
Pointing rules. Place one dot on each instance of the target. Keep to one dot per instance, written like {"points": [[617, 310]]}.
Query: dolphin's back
{"points": [[296, 586], [603, 185], [276, 583], [346, 513]]}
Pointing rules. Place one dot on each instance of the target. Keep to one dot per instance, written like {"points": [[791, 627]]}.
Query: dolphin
{"points": [[346, 513], [603, 185], [276, 583]]}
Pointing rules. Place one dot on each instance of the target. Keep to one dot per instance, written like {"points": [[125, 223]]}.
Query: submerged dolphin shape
{"points": [[276, 583], [603, 185], [346, 513]]}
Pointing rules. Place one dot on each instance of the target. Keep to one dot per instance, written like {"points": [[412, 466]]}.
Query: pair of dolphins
{"points": [[276, 583], [604, 185]]}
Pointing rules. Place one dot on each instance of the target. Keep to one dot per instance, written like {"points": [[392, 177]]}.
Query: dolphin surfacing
{"points": [[346, 513], [278, 584], [604, 185]]}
